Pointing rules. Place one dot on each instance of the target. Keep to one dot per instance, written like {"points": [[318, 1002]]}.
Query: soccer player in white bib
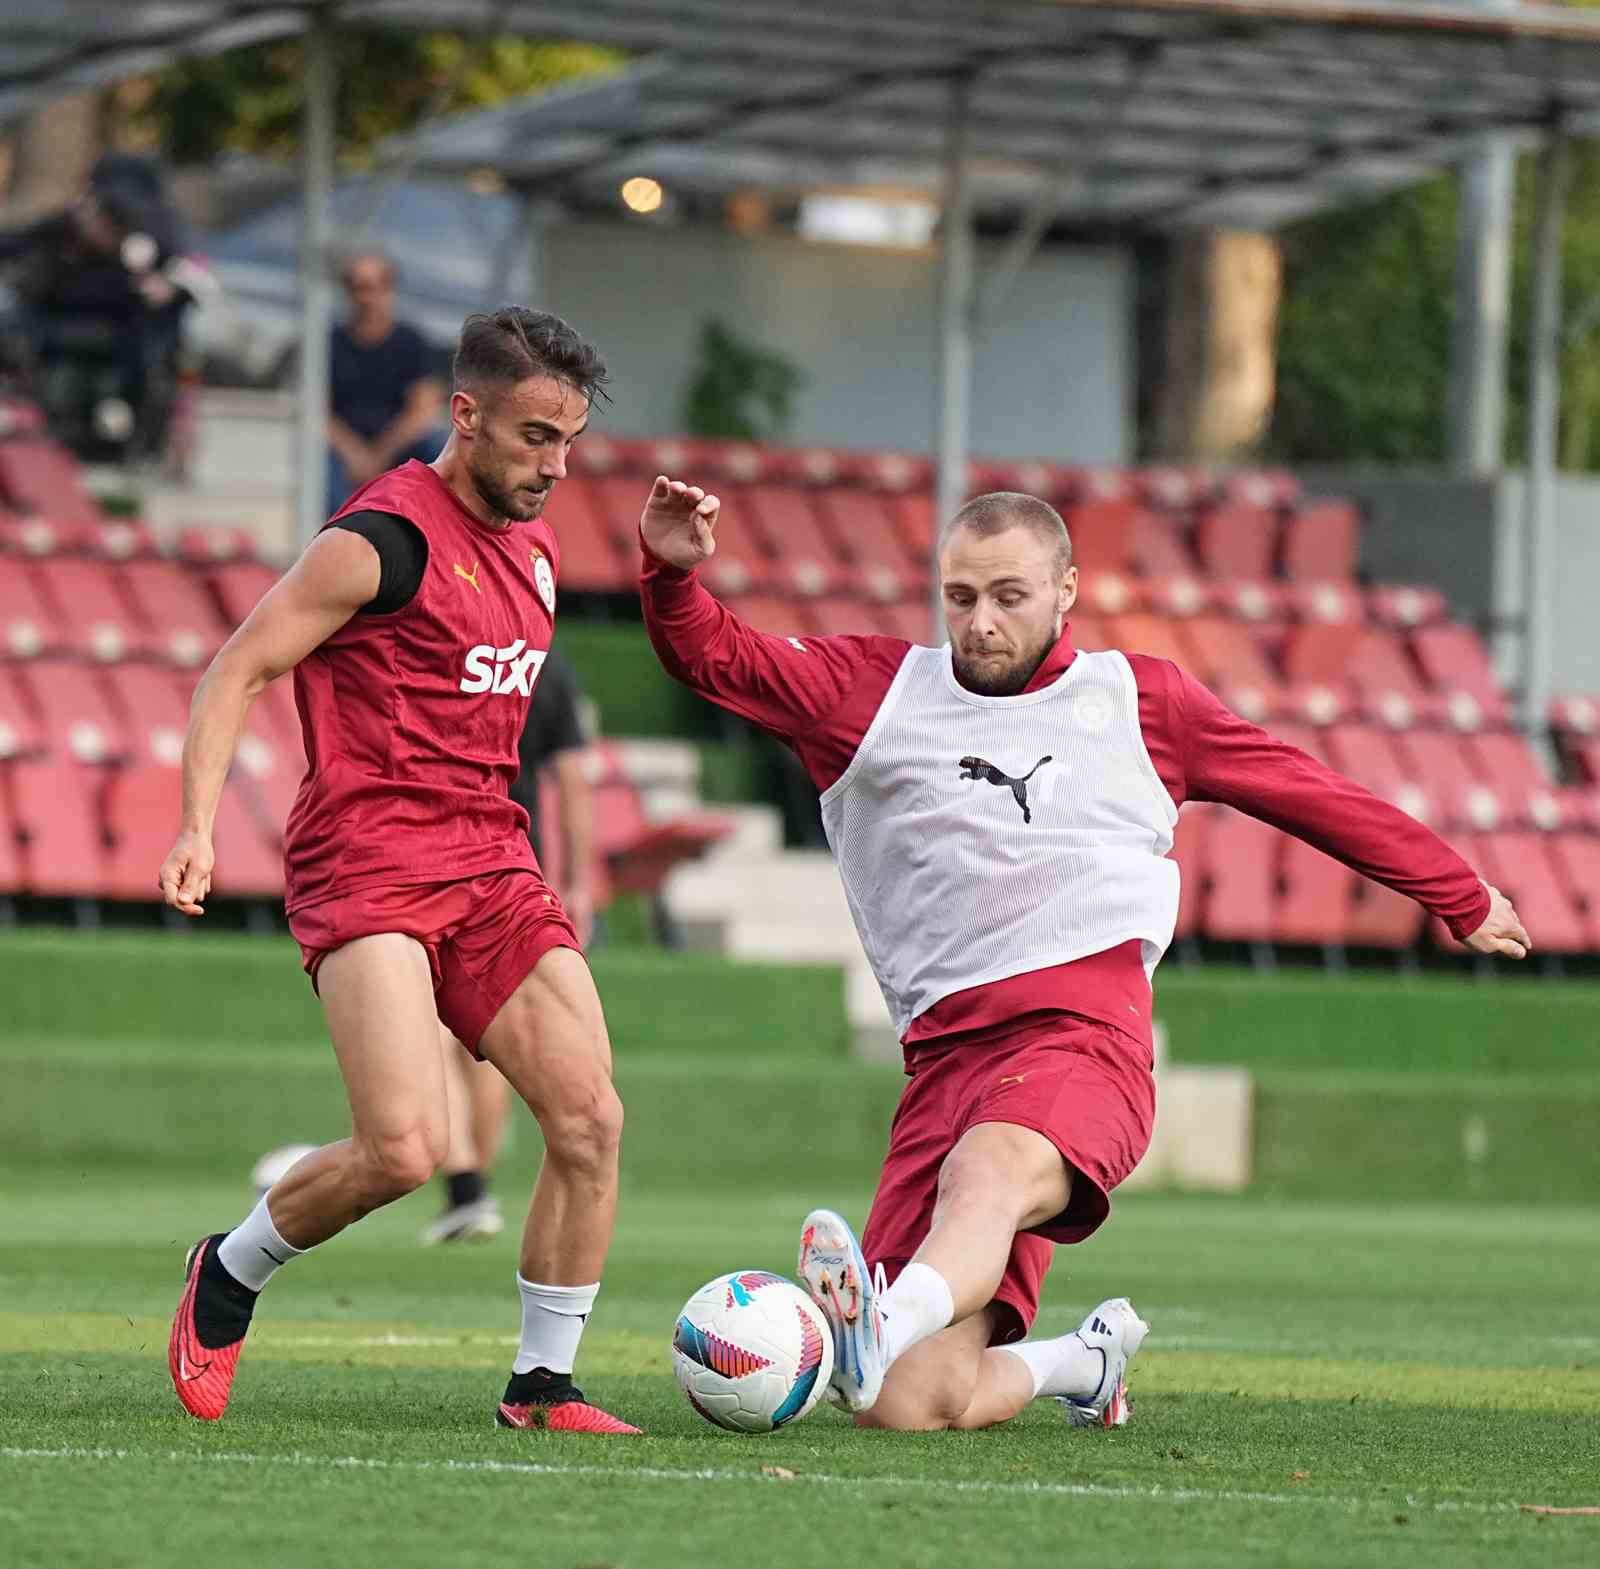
{"points": [[1001, 810]]}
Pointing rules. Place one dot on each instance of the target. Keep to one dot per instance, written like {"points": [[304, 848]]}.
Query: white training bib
{"points": [[983, 837]]}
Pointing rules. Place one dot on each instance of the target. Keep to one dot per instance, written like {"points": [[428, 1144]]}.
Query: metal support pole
{"points": [[316, 285], [1476, 435], [1544, 416], [953, 420]]}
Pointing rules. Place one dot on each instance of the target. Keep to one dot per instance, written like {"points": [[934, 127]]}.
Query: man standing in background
{"points": [[480, 1097], [384, 401]]}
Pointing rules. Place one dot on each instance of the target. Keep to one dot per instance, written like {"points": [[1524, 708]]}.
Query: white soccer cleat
{"points": [[1116, 1332], [474, 1222], [832, 1269]]}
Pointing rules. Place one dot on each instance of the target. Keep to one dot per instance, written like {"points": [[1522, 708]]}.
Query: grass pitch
{"points": [[1325, 1384]]}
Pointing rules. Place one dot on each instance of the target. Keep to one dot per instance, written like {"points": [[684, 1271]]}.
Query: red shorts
{"points": [[1085, 1086], [483, 936]]}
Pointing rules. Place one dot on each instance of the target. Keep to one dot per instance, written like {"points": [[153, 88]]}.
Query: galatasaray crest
{"points": [[544, 579]]}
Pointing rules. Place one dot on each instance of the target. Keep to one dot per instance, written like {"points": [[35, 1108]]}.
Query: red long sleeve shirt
{"points": [[819, 695]]}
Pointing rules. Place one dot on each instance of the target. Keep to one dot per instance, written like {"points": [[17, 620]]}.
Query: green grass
{"points": [[1326, 1384]]}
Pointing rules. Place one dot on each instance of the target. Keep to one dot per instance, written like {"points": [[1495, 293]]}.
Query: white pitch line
{"points": [[1172, 1495]]}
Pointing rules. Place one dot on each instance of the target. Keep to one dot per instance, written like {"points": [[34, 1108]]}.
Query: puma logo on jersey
{"points": [[510, 670], [471, 577], [978, 768]]}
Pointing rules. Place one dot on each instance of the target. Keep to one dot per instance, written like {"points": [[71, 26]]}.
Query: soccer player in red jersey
{"points": [[416, 624], [1001, 812]]}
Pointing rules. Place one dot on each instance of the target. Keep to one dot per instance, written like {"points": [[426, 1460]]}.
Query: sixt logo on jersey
{"points": [[510, 670]]}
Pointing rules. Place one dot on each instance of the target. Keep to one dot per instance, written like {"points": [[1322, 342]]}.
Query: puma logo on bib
{"points": [[977, 768]]}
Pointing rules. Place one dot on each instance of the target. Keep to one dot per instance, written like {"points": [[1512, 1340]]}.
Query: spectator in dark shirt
{"points": [[479, 1098], [384, 401]]}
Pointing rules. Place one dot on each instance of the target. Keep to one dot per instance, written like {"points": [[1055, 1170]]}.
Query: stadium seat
{"points": [[141, 814], [591, 559], [268, 776], [1240, 860], [10, 841], [20, 735], [75, 712], [56, 811], [38, 475], [1102, 535], [835, 617], [782, 521], [28, 622], [1156, 547], [911, 619], [1227, 657], [1441, 763], [1276, 490], [1576, 858], [1189, 851], [239, 585], [1316, 896], [1382, 918], [1322, 543], [1507, 764], [1454, 660], [1089, 632], [912, 515], [150, 706], [98, 621], [174, 601], [1519, 864], [122, 539], [1368, 755], [249, 866], [616, 501], [1153, 635], [207, 544], [1237, 541], [863, 530], [639, 853], [1405, 606], [768, 613], [738, 567]]}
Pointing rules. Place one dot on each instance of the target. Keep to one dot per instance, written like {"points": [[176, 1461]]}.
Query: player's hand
{"points": [[1501, 931], [678, 523], [186, 873]]}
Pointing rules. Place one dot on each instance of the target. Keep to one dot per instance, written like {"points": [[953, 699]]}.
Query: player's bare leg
{"points": [[550, 1042], [377, 994]]}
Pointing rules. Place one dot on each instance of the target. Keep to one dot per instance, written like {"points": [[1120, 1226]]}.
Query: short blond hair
{"points": [[999, 510]]}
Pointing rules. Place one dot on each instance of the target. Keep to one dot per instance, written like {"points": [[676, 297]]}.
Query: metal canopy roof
{"points": [[1158, 112]]}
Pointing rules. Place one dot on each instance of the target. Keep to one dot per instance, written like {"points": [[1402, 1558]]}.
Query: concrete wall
{"points": [[1054, 373]]}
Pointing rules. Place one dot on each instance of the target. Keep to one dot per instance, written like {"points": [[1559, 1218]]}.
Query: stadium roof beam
{"points": [[1243, 108]]}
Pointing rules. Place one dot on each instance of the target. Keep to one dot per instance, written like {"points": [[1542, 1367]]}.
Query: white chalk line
{"points": [[1153, 1493]]}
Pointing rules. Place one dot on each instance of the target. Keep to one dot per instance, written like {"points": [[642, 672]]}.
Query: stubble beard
{"points": [[1005, 680]]}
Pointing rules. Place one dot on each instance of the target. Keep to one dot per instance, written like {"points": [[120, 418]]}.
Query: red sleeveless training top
{"points": [[411, 719]]}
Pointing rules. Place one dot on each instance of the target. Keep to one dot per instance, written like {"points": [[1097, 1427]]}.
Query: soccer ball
{"points": [[275, 1164], [751, 1352]]}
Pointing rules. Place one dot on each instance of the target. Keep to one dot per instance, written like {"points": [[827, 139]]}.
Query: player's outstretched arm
{"points": [[332, 580], [1228, 759]]}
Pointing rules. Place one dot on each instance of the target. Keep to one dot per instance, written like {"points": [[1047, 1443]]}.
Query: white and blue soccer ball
{"points": [[751, 1352], [276, 1164]]}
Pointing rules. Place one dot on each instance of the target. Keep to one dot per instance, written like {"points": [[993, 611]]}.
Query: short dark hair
{"points": [[500, 348], [1002, 509]]}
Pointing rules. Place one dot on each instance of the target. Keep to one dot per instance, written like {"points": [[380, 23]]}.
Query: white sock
{"points": [[552, 1325], [1063, 1366], [253, 1251], [917, 1305]]}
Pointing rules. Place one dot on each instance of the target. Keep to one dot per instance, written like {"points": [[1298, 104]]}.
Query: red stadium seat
{"points": [[913, 518], [1519, 864], [39, 475], [1156, 547], [239, 585], [616, 502], [75, 712], [279, 720], [1405, 606], [1443, 765], [911, 619], [1089, 632], [141, 810], [207, 544], [738, 567], [1272, 489], [1576, 858], [1317, 896], [150, 707], [122, 539], [1322, 542], [1241, 856], [99, 622], [639, 853], [10, 841], [835, 617], [591, 559], [1227, 656], [1454, 660], [1507, 764], [1237, 541], [20, 735], [56, 810], [174, 600], [268, 776], [1153, 635], [768, 613], [1382, 918], [864, 532], [28, 621], [1369, 755], [1189, 851], [783, 521], [249, 865]]}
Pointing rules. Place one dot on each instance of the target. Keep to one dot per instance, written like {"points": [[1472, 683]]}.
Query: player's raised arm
{"points": [[787, 685], [1228, 759], [337, 575]]}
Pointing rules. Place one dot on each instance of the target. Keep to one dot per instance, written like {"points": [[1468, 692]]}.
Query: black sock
{"points": [[540, 1384], [465, 1187]]}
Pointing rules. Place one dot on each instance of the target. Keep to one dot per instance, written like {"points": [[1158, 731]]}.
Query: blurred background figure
{"points": [[480, 1098], [385, 402], [101, 290]]}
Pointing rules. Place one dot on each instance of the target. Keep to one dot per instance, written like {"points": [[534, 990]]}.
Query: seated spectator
{"points": [[384, 400]]}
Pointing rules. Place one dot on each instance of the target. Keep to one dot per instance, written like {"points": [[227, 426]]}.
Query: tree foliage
{"points": [[250, 100]]}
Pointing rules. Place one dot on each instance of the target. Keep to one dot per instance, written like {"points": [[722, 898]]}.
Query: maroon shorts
{"points": [[1085, 1086], [483, 936]]}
